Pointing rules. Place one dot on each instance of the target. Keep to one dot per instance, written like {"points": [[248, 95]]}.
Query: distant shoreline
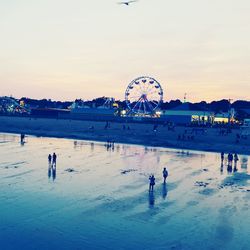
{"points": [[140, 134]]}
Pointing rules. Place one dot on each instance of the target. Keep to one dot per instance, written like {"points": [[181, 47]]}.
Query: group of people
{"points": [[124, 127], [110, 145], [152, 179], [52, 159], [52, 165], [230, 158]]}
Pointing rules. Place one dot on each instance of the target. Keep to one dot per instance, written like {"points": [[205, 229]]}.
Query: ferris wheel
{"points": [[143, 95]]}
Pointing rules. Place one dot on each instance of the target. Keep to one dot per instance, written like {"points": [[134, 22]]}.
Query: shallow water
{"points": [[98, 198]]}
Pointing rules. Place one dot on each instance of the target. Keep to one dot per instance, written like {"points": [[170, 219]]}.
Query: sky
{"points": [[64, 50]]}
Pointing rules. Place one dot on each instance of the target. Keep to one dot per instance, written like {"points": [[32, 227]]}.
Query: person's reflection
{"points": [[229, 168], [244, 161], [54, 172], [221, 168], [49, 170], [235, 167], [151, 199], [164, 191], [92, 145]]}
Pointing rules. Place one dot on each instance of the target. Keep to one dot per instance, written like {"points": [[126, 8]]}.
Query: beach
{"points": [[208, 139], [98, 198]]}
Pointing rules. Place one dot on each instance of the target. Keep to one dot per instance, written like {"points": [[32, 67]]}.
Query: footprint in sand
{"points": [[192, 203], [70, 170], [207, 191]]}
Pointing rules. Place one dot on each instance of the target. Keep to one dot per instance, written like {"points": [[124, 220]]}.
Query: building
{"points": [[48, 112], [186, 114]]}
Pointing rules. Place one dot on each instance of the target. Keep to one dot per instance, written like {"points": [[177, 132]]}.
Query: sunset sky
{"points": [[64, 50]]}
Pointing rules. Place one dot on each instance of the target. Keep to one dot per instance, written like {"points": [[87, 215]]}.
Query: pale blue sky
{"points": [[64, 49]]}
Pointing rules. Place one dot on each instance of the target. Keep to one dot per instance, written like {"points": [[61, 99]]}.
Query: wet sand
{"points": [[98, 198], [141, 134]]}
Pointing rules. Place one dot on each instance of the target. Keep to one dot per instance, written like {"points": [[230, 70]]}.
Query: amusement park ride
{"points": [[9, 105], [143, 96]]}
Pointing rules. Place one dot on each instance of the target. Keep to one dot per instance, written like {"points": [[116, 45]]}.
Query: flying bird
{"points": [[127, 2]]}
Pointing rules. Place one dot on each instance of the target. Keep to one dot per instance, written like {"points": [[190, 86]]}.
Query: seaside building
{"points": [[92, 113], [222, 117], [185, 114], [80, 111], [48, 112]]}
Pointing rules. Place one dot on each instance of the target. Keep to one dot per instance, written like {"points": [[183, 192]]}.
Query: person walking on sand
{"points": [[222, 157], [164, 174], [236, 158], [151, 182], [54, 159], [22, 138], [230, 158], [49, 159]]}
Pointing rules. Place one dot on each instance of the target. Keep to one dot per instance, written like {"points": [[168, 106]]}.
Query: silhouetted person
{"points": [[222, 157], [22, 138], [221, 168], [54, 157], [236, 158], [164, 174], [151, 182], [92, 146], [230, 158], [109, 144], [49, 159]]}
